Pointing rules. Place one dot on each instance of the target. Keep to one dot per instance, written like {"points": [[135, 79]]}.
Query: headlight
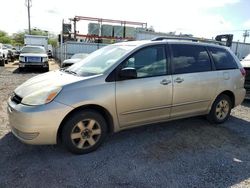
{"points": [[42, 96], [21, 58], [45, 59]]}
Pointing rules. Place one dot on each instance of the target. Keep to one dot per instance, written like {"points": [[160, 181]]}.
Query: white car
{"points": [[74, 59], [246, 64], [3, 55], [33, 56]]}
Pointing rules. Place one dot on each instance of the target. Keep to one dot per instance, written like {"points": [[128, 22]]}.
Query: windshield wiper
{"points": [[69, 71]]}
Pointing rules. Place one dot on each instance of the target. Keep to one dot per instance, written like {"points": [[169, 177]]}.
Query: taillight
{"points": [[243, 71]]}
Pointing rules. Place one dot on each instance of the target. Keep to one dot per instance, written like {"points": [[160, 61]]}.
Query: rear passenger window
{"points": [[190, 59], [222, 59]]}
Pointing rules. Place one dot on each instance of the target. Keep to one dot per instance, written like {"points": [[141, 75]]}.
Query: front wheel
{"points": [[46, 69], [84, 131], [220, 110]]}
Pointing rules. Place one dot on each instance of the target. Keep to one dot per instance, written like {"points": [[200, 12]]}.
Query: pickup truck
{"points": [[33, 56], [3, 55]]}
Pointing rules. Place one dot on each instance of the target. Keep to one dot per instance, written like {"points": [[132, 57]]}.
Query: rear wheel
{"points": [[220, 110], [84, 131]]}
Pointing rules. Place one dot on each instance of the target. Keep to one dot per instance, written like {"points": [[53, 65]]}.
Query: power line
{"points": [[28, 5]]}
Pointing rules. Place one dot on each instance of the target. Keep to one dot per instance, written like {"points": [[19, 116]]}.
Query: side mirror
{"points": [[128, 73]]}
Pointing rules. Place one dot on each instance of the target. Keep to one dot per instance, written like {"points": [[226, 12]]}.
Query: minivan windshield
{"points": [[100, 61], [33, 49]]}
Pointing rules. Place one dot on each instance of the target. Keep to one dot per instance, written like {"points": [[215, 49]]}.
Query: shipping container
{"points": [[118, 31], [107, 31], [130, 32], [93, 29]]}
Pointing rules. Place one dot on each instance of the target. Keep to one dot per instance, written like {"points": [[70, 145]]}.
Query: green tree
{"points": [[53, 42], [4, 38], [18, 38], [36, 31]]}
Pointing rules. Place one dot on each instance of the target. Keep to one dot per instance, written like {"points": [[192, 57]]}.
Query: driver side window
{"points": [[148, 62]]}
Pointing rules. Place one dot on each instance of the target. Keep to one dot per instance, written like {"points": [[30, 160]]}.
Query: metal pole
{"points": [[28, 5], [74, 30], [61, 45], [236, 50], [245, 35]]}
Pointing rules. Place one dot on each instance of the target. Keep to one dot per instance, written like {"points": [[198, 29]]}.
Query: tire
{"points": [[6, 61], [46, 69], [2, 63], [21, 69], [220, 110], [84, 132]]}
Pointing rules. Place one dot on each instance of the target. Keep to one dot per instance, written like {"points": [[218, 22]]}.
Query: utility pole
{"points": [[245, 35], [74, 21], [28, 5], [61, 44]]}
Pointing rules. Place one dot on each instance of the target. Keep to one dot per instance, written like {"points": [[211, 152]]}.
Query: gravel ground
{"points": [[184, 153]]}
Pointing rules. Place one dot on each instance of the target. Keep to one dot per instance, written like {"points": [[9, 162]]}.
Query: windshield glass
{"points": [[33, 49], [100, 61], [79, 56]]}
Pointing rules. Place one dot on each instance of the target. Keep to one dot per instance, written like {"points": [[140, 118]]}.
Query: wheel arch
{"points": [[230, 94], [103, 111]]}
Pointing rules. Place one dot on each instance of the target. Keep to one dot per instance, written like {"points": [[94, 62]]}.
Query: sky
{"points": [[202, 18]]}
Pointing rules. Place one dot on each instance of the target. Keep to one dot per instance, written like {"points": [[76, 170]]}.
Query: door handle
{"points": [[179, 80], [165, 82]]}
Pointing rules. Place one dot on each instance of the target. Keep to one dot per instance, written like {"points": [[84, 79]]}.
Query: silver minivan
{"points": [[126, 85]]}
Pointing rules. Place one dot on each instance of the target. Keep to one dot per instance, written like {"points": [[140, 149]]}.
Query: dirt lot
{"points": [[184, 153]]}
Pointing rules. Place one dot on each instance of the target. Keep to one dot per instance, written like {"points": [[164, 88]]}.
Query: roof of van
{"points": [[170, 41]]}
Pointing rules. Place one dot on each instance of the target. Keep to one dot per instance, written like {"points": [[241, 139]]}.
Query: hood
{"points": [[53, 78], [245, 63], [33, 55], [71, 61]]}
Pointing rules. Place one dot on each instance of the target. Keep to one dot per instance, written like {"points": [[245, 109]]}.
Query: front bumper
{"points": [[36, 124], [30, 64]]}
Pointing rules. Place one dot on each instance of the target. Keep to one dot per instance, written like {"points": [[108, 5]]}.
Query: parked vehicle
{"points": [[125, 85], [12, 53], [50, 51], [246, 64], [33, 56], [74, 59], [49, 54], [3, 55], [36, 40]]}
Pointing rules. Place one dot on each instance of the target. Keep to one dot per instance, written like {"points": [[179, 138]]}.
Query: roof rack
{"points": [[193, 39]]}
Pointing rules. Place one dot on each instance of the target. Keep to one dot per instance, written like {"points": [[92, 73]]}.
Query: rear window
{"points": [[222, 59], [190, 59]]}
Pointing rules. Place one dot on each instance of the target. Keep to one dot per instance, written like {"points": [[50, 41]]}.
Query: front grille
{"points": [[16, 99]]}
